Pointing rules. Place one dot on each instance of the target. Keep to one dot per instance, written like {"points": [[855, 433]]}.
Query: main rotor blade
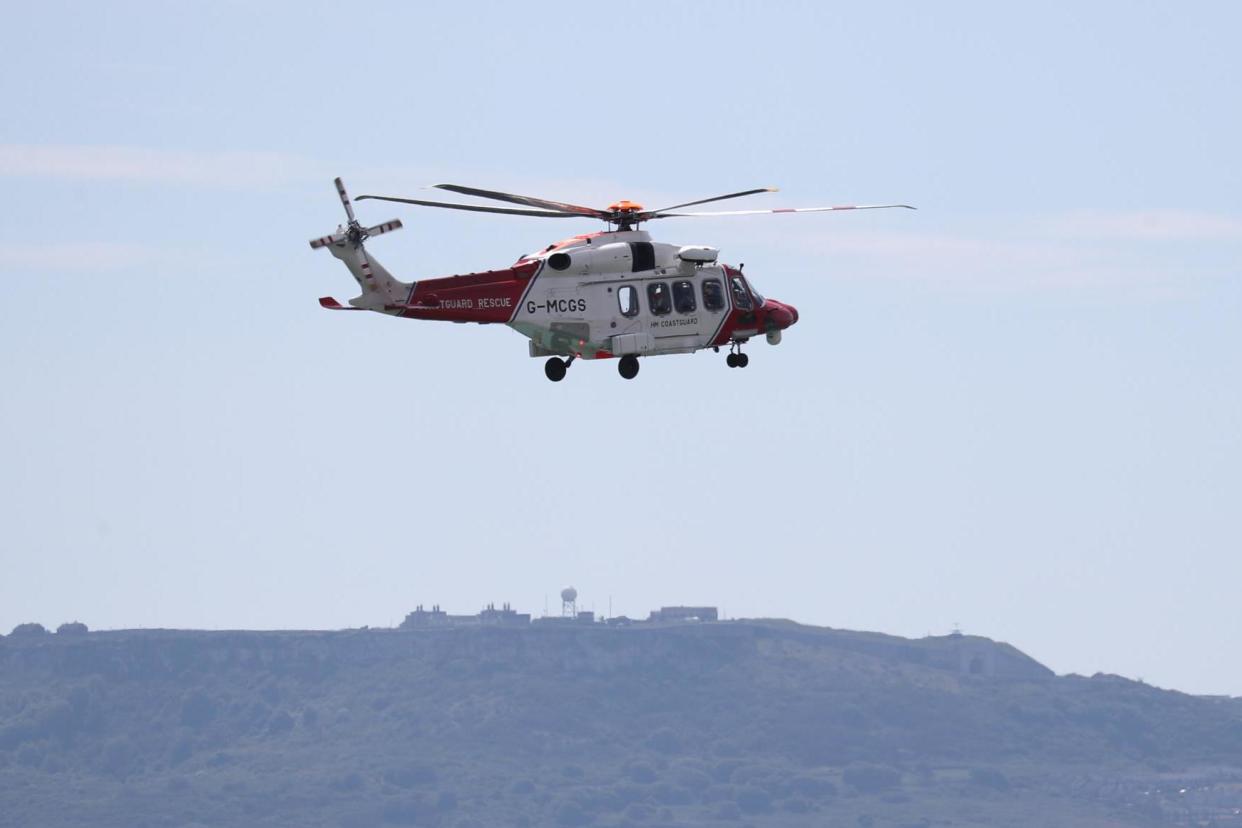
{"points": [[340, 189], [715, 198], [529, 201], [782, 210], [472, 207]]}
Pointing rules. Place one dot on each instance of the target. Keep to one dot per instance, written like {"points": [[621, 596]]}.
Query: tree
{"points": [[753, 800], [198, 709], [871, 778], [989, 778], [72, 628], [28, 630], [570, 814]]}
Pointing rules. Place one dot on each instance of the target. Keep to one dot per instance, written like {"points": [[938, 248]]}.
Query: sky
{"points": [[1017, 410]]}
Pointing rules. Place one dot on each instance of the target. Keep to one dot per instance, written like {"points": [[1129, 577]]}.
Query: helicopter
{"points": [[614, 293]]}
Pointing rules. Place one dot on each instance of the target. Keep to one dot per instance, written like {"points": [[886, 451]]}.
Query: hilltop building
{"points": [[423, 618], [667, 614], [436, 617], [582, 617], [570, 615], [503, 617]]}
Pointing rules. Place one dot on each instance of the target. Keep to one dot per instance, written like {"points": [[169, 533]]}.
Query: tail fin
{"points": [[379, 288]]}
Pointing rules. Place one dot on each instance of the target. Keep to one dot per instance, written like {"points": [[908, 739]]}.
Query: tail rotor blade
{"points": [[324, 241], [340, 189], [386, 227]]}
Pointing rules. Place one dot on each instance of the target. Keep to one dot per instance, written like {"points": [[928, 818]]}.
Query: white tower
{"points": [[569, 602]]}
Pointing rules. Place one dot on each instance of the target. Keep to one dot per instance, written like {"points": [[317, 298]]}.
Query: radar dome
{"points": [[569, 595]]}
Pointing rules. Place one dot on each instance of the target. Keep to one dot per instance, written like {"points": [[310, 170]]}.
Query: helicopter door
{"points": [[630, 334], [742, 299], [629, 309], [715, 304], [679, 321]]}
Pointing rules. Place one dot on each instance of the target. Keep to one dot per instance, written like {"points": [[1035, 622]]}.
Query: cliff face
{"points": [[692, 724]]}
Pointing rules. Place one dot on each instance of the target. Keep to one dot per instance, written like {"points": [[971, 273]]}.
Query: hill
{"points": [[732, 723]]}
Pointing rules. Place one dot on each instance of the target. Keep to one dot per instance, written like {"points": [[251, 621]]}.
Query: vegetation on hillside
{"points": [[716, 724]]}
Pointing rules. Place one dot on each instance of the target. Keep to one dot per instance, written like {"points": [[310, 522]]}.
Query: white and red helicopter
{"points": [[613, 293]]}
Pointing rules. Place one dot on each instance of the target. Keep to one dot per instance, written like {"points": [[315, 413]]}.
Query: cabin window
{"points": [[627, 300], [713, 295], [741, 296], [658, 299], [683, 297]]}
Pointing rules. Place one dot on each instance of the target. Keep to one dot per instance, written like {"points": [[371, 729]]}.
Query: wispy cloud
{"points": [[77, 257], [962, 260], [1096, 249], [229, 170], [250, 169], [1074, 249], [1146, 225]]}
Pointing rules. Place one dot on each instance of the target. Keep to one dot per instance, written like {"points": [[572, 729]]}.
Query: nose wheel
{"points": [[737, 359]]}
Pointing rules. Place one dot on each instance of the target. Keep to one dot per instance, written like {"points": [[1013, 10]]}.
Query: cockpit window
{"points": [[741, 296], [658, 299], [759, 300], [683, 297]]}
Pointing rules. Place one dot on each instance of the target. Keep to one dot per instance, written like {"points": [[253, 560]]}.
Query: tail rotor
{"points": [[354, 232], [349, 238]]}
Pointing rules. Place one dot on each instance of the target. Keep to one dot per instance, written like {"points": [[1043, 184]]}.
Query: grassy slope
{"points": [[765, 723]]}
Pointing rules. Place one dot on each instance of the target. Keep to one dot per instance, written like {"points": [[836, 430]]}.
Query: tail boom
{"points": [[490, 296]]}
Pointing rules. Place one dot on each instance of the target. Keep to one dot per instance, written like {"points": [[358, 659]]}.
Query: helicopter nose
{"points": [[782, 315]]}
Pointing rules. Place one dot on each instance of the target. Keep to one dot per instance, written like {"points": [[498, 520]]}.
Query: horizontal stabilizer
{"points": [[331, 304]]}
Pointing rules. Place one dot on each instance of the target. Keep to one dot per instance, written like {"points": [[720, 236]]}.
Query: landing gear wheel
{"points": [[555, 368], [737, 359], [628, 367]]}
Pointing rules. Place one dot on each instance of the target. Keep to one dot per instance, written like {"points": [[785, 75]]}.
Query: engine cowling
{"points": [[606, 258]]}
